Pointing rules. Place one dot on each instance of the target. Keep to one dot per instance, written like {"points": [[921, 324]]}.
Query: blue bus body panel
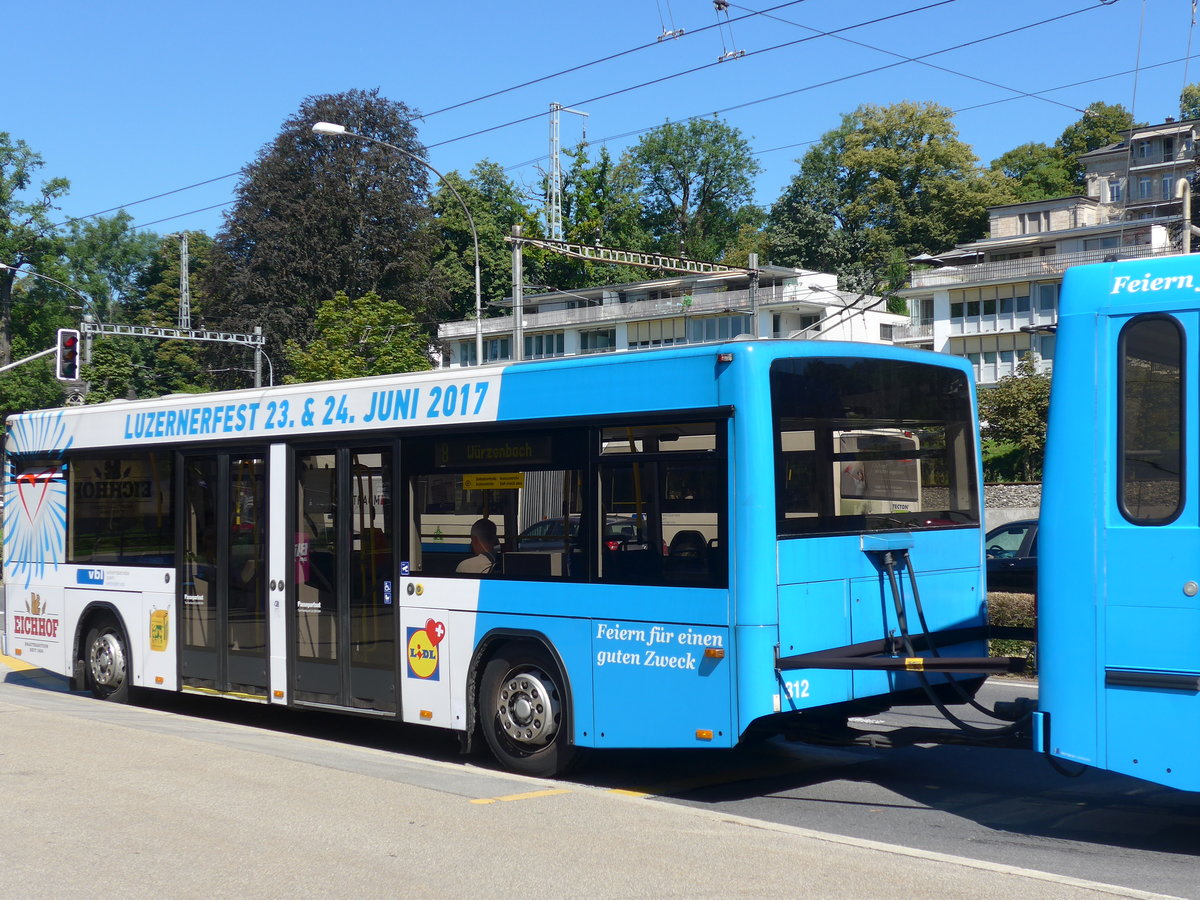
{"points": [[658, 380], [1114, 611], [624, 665]]}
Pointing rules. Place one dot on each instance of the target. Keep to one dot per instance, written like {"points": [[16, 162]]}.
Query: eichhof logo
{"points": [[40, 623]]}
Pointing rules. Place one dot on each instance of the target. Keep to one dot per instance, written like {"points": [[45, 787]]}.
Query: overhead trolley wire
{"points": [[595, 62], [693, 70], [817, 34]]}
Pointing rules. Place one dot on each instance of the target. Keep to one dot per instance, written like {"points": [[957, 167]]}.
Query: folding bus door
{"points": [[343, 623], [223, 574]]}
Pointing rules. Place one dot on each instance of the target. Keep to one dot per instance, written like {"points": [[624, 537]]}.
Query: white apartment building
{"points": [[985, 300], [686, 309]]}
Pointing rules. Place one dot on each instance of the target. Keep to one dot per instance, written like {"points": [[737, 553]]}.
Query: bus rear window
{"points": [[864, 445]]}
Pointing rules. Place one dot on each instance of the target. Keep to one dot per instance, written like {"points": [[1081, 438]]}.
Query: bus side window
{"points": [[1150, 413]]}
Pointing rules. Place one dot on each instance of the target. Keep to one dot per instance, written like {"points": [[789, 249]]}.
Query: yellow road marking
{"points": [[626, 793], [18, 665], [550, 792]]}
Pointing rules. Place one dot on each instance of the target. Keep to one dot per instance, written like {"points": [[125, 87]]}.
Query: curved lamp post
{"points": [[89, 307], [332, 128]]}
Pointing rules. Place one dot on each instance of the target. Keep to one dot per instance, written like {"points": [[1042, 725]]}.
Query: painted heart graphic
{"points": [[31, 480], [435, 631]]}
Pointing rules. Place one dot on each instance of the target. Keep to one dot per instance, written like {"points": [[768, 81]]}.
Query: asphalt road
{"points": [[192, 796]]}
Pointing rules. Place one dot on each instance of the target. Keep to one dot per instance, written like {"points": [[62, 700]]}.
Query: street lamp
{"points": [[331, 128], [88, 307]]}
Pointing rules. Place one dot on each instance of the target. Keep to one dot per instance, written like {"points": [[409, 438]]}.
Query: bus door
{"points": [[342, 609], [1151, 552], [222, 574]]}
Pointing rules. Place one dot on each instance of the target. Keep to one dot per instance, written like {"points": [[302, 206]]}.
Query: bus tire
{"points": [[106, 661], [523, 711]]}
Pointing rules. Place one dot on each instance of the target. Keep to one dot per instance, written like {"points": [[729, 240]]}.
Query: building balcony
{"points": [[1031, 269], [907, 334], [706, 304]]}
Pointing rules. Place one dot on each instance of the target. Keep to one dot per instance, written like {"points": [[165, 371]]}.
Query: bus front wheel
{"points": [[106, 661], [524, 711]]}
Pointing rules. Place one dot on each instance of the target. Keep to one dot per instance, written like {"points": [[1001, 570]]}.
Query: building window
{"points": [[1047, 295], [542, 346], [1168, 145], [973, 309], [1145, 187], [956, 310], [603, 340], [1114, 190], [1104, 243], [1006, 306], [1143, 149], [656, 333], [717, 328], [466, 353], [495, 349], [1168, 187]]}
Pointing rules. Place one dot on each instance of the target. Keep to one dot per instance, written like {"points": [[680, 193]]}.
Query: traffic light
{"points": [[68, 355]]}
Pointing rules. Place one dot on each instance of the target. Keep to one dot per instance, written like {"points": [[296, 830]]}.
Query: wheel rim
{"points": [[106, 659], [527, 708]]}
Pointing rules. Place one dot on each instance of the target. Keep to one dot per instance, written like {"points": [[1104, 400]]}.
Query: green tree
{"points": [[496, 205], [354, 338], [178, 366], [889, 178], [694, 177], [318, 214], [26, 232], [601, 206], [1100, 125], [1013, 416], [1189, 102], [1036, 172]]}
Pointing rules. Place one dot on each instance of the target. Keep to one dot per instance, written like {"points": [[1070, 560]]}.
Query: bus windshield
{"points": [[864, 445]]}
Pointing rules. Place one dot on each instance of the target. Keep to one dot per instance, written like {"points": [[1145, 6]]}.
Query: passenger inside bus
{"points": [[483, 545]]}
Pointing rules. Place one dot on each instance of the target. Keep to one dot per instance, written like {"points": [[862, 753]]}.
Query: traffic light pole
{"points": [[21, 362]]}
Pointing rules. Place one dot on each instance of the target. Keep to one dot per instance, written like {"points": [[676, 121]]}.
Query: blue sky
{"points": [[133, 99]]}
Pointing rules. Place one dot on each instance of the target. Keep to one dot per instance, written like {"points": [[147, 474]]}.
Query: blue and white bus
{"points": [[644, 549], [1119, 557]]}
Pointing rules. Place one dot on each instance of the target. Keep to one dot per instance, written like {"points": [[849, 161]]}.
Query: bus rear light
{"points": [[614, 545], [704, 734], [158, 679], [278, 695], [17, 651], [714, 652], [724, 357], [427, 714]]}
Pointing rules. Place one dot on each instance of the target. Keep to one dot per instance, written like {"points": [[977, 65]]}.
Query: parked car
{"points": [[1012, 557], [547, 535]]}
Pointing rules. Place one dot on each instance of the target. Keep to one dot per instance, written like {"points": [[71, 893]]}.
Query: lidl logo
{"points": [[423, 655]]}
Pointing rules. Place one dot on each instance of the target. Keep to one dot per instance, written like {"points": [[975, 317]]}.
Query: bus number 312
{"points": [[796, 690]]}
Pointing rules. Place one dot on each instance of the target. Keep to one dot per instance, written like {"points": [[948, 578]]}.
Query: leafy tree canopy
{"points": [[1014, 413], [367, 336], [1036, 172], [888, 178], [496, 206], [1101, 124], [26, 232], [1189, 102], [318, 214], [694, 177]]}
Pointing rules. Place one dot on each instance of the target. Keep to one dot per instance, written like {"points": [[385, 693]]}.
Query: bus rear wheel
{"points": [[524, 711], [106, 661]]}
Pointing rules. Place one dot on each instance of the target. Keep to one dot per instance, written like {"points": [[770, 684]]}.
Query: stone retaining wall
{"points": [[1007, 502]]}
